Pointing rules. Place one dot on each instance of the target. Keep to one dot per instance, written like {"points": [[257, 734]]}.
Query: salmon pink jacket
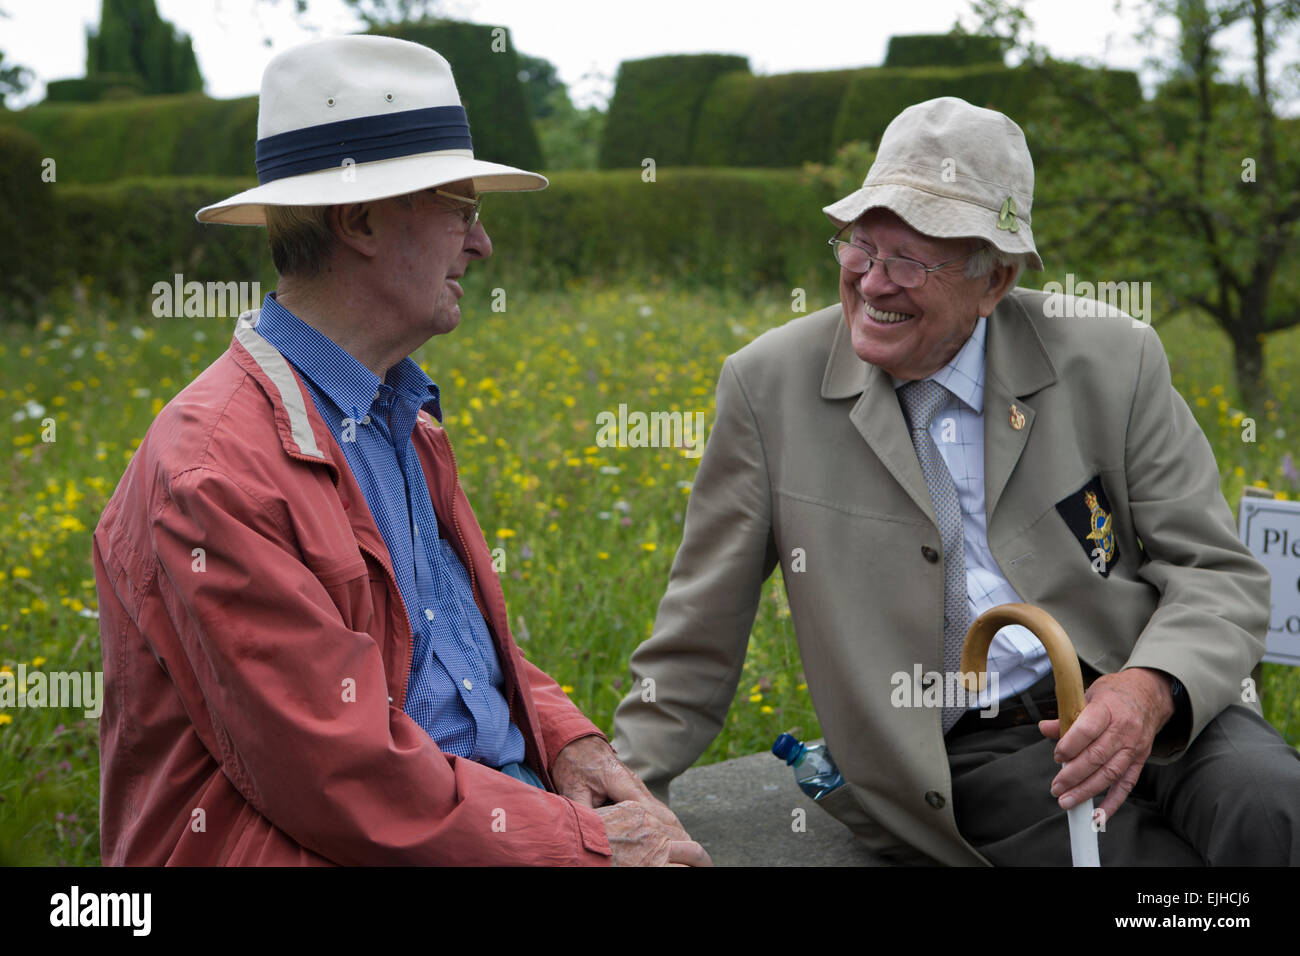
{"points": [[257, 651]]}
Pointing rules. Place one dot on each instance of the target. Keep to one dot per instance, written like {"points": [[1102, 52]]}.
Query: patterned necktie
{"points": [[921, 403]]}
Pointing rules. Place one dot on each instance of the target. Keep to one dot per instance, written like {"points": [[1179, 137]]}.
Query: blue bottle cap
{"points": [[787, 747]]}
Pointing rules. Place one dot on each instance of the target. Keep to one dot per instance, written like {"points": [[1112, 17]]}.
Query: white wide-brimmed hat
{"points": [[950, 169], [355, 119]]}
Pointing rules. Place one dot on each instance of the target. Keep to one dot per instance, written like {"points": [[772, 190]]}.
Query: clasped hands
{"points": [[642, 831], [1110, 741]]}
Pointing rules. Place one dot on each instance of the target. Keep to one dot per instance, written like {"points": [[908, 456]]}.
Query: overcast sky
{"points": [[588, 37]]}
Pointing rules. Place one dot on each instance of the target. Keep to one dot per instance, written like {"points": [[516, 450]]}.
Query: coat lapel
{"points": [[877, 416], [1016, 366]]}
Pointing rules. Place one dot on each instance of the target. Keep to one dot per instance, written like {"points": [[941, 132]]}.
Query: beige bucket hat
{"points": [[950, 169], [355, 119]]}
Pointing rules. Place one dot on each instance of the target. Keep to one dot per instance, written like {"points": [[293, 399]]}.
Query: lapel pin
{"points": [[1017, 418]]}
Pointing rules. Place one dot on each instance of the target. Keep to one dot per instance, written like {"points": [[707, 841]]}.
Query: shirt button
{"points": [[929, 553], [365, 420], [935, 799], [469, 684], [428, 613], [417, 529]]}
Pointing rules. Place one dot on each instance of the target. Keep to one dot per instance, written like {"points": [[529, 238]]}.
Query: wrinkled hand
{"points": [[589, 773], [1109, 743], [642, 831], [649, 835]]}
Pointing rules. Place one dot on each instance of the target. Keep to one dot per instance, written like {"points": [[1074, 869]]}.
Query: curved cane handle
{"points": [[1065, 663]]}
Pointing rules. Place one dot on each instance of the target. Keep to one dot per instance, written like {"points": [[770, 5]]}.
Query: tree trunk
{"points": [[1248, 364]]}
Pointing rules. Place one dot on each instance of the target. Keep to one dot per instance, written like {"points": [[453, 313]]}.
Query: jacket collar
{"points": [[302, 434], [1016, 365]]}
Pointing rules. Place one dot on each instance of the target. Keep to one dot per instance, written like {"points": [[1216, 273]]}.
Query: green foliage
{"points": [[846, 170], [123, 237], [875, 97], [570, 137], [656, 105], [781, 120], [183, 135], [943, 49], [93, 88], [132, 38], [486, 67], [738, 229], [26, 211], [541, 83], [13, 79], [702, 227]]}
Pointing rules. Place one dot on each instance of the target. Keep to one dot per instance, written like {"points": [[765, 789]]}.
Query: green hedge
{"points": [[783, 120], [698, 227], [875, 97], [26, 211], [93, 88], [943, 49], [655, 107], [121, 238], [186, 134], [195, 135], [489, 87]]}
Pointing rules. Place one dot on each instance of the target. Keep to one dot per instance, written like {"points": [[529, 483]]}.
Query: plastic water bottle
{"points": [[814, 769]]}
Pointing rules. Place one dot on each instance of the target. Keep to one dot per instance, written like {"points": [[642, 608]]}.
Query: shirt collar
{"points": [[338, 374], [964, 374]]}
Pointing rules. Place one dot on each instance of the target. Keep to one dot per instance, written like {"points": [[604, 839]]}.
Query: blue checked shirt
{"points": [[455, 684], [958, 432]]}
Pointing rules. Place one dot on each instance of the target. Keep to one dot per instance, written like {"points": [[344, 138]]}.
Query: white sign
{"points": [[1271, 530]]}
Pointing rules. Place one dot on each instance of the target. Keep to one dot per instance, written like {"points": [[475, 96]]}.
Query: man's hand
{"points": [[642, 831], [1111, 740], [588, 773], [643, 834]]}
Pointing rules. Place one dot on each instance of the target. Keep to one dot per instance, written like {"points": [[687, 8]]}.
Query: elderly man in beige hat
{"points": [[307, 652], [935, 445]]}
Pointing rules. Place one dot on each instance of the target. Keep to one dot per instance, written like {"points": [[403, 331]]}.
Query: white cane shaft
{"points": [[1083, 838]]}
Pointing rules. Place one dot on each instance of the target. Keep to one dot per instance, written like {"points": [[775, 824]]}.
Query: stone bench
{"points": [[741, 812]]}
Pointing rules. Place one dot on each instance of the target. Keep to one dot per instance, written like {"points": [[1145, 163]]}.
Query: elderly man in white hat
{"points": [[307, 652], [935, 445]]}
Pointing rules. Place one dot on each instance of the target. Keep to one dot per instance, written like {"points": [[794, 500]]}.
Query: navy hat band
{"points": [[362, 140]]}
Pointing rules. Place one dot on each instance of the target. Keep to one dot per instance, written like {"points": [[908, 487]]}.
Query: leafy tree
{"points": [[541, 82], [13, 78], [133, 38], [570, 137], [1197, 189], [386, 12]]}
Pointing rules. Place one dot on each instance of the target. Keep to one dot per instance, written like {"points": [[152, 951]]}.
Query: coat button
{"points": [[935, 799], [929, 553]]}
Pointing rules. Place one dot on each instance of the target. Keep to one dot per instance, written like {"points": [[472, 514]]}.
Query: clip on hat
{"points": [[949, 169], [355, 119]]}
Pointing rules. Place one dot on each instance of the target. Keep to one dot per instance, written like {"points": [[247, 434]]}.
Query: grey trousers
{"points": [[1233, 799]]}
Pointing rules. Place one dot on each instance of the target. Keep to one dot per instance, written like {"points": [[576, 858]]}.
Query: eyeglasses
{"points": [[907, 273], [470, 215]]}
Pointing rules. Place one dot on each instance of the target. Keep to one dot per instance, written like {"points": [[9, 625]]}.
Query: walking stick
{"points": [[1069, 693]]}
